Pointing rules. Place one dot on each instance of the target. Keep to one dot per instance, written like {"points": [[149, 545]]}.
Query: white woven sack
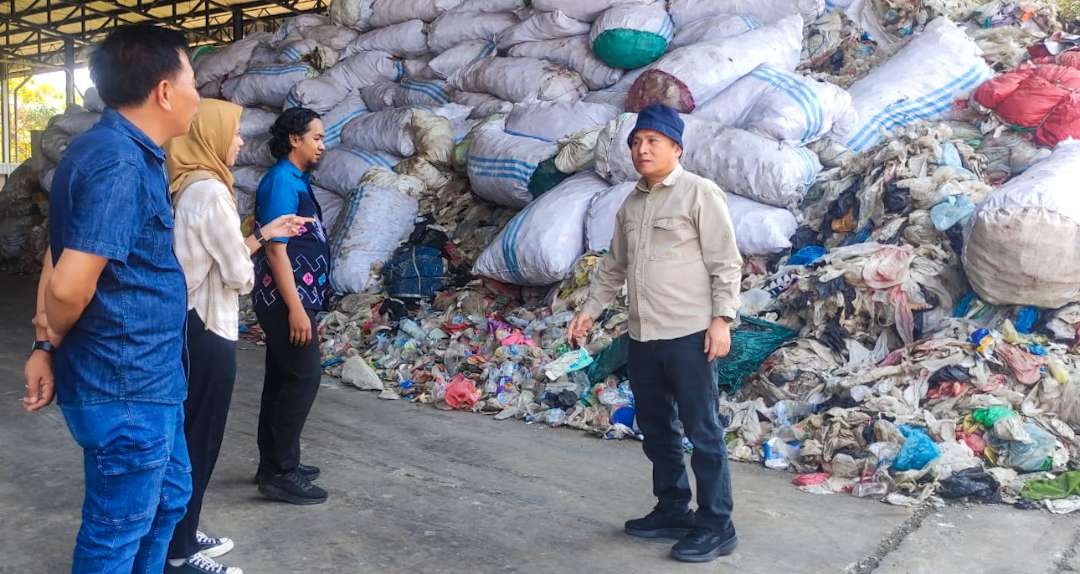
{"points": [[268, 86], [500, 165], [1022, 246], [377, 217], [520, 80], [714, 28], [404, 40], [686, 12], [255, 122], [447, 63], [389, 12], [335, 120], [695, 66], [453, 28], [553, 121], [584, 10], [542, 243], [920, 82], [341, 169], [782, 105], [542, 26], [576, 54]]}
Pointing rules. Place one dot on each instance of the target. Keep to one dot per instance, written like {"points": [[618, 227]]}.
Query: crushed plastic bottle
{"points": [[774, 453], [412, 329], [870, 489]]}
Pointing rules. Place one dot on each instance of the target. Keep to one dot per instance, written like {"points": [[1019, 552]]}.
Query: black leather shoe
{"points": [[704, 545], [308, 472], [661, 525], [293, 488]]}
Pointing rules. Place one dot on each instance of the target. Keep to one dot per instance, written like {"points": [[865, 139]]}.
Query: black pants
{"points": [[672, 380], [289, 389], [211, 376]]}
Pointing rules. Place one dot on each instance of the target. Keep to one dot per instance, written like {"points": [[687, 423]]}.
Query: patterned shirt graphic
{"points": [[285, 189]]}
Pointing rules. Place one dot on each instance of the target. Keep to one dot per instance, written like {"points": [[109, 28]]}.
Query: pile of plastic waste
{"points": [[909, 302]]}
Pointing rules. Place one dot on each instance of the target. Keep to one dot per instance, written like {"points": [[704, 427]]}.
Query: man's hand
{"points": [[40, 389], [299, 328], [579, 328], [718, 338]]}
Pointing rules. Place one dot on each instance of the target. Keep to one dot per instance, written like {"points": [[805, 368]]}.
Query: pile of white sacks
{"points": [[534, 103]]}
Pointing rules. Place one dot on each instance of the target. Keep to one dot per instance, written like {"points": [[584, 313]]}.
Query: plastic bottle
{"points": [[774, 452], [870, 489], [410, 328]]}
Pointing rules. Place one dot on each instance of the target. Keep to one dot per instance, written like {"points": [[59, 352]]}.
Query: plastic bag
{"points": [[918, 449], [971, 483], [1031, 456], [461, 393]]}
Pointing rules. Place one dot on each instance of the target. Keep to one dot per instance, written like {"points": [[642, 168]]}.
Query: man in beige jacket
{"points": [[674, 246]]}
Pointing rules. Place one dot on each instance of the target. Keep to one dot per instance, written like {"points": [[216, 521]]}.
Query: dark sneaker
{"points": [[704, 545], [661, 525], [309, 472], [212, 547], [293, 488], [199, 564]]}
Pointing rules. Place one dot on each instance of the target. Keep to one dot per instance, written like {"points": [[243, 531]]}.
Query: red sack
{"points": [[993, 91], [1061, 123], [659, 87], [1030, 102], [1070, 59]]}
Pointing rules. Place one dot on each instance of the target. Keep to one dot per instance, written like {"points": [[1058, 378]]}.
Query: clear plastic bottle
{"points": [[410, 328]]}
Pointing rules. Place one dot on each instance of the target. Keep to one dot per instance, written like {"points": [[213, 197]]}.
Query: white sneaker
{"points": [[212, 547], [200, 564]]}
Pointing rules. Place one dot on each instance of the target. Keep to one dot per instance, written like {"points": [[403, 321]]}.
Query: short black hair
{"points": [[292, 122], [134, 59]]}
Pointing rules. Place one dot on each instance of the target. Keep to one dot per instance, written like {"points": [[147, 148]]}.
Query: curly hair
{"points": [[293, 122]]}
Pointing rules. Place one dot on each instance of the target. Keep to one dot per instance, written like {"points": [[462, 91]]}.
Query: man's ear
{"points": [[162, 95]]}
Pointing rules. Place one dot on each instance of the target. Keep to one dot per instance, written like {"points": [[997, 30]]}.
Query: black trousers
{"points": [[211, 377], [672, 380], [289, 388]]}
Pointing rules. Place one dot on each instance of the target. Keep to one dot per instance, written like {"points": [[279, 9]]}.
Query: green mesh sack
{"points": [[610, 360], [751, 343], [627, 49], [545, 178]]}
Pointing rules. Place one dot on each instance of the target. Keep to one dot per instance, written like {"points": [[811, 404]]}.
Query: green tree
{"points": [[38, 101]]}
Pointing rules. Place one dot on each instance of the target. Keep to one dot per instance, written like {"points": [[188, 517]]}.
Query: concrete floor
{"points": [[414, 489]]}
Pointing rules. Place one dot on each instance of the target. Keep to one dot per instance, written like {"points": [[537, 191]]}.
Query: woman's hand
{"points": [[285, 226]]}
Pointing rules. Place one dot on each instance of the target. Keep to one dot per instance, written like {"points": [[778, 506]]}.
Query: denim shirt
{"points": [[284, 190], [110, 198]]}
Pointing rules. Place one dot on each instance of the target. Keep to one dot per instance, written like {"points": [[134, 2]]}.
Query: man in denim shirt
{"points": [[116, 303]]}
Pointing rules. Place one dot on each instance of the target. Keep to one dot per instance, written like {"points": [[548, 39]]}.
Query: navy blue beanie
{"points": [[660, 118]]}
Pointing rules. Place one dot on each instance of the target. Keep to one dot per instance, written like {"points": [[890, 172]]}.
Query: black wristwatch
{"points": [[259, 237], [44, 346]]}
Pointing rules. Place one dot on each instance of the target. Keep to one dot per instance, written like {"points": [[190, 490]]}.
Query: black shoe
{"points": [[704, 545], [661, 525], [293, 488], [308, 472]]}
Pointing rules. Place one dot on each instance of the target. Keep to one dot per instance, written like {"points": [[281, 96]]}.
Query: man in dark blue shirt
{"points": [[116, 303]]}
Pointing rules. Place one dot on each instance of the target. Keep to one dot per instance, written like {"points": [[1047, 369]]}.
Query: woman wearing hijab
{"points": [[216, 259]]}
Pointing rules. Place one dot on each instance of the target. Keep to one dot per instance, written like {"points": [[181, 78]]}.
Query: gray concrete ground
{"points": [[414, 489]]}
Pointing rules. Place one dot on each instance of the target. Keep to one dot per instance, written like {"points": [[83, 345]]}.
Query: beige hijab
{"points": [[202, 153]]}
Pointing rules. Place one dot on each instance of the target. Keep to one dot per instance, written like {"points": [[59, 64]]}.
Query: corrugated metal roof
{"points": [[33, 32]]}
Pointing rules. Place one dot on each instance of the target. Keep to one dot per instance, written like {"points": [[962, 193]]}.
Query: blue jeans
{"points": [[138, 481]]}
